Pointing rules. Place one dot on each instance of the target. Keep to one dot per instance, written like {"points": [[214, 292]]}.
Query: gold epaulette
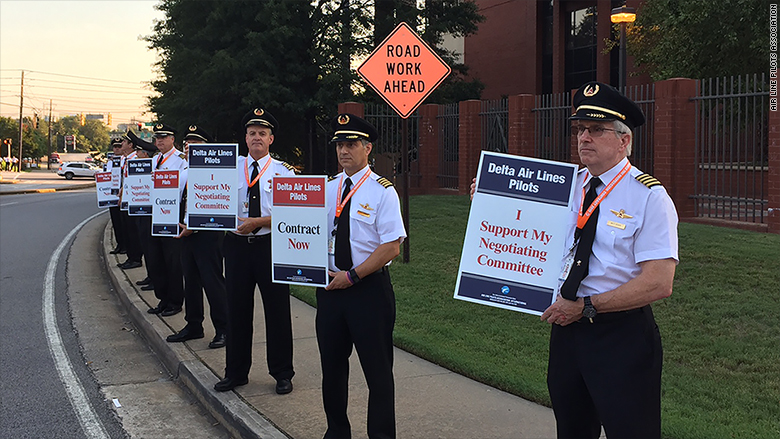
{"points": [[333, 177], [648, 180], [290, 167], [183, 156], [384, 182]]}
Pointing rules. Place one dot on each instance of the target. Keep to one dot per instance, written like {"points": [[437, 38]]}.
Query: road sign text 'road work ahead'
{"points": [[404, 70]]}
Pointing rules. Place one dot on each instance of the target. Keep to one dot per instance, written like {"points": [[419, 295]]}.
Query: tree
{"points": [[701, 38], [220, 59]]}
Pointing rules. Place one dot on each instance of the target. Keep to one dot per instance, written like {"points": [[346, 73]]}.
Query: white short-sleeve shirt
{"points": [[374, 216], [636, 223], [244, 168]]}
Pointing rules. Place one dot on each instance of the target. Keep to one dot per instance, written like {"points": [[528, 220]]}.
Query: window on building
{"points": [[581, 47]]}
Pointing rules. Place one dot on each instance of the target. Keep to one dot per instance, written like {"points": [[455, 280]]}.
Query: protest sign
{"points": [[139, 185], [299, 231], [104, 187], [165, 211], [212, 187], [515, 234]]}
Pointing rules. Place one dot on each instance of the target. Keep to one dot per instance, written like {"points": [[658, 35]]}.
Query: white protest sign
{"points": [[104, 187], [299, 231], [212, 187], [515, 234], [165, 208], [139, 183]]}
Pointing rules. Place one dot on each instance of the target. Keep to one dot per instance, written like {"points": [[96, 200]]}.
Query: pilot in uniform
{"points": [[201, 263], [357, 308], [605, 348], [248, 264], [164, 258]]}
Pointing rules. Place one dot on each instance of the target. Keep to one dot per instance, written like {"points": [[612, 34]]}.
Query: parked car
{"points": [[77, 169]]}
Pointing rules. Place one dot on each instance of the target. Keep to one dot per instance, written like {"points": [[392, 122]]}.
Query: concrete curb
{"points": [[238, 417], [47, 190]]}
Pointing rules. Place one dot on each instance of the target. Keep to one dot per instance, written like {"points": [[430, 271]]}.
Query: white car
{"points": [[78, 169]]}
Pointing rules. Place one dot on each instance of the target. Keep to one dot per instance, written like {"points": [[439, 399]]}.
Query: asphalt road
{"points": [[34, 402], [68, 352]]}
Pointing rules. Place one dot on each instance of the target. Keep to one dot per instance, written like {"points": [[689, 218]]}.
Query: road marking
{"points": [[43, 191], [9, 204], [89, 420]]}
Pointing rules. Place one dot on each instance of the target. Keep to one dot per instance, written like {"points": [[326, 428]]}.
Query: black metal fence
{"points": [[552, 129], [387, 152], [732, 171], [449, 121], [494, 120]]}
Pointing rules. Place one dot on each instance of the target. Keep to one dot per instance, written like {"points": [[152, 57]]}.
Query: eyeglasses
{"points": [[596, 131]]}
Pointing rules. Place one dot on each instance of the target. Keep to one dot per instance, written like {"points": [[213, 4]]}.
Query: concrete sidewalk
{"points": [[431, 402], [39, 180]]}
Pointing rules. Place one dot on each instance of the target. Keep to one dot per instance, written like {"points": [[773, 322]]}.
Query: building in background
{"points": [[545, 46]]}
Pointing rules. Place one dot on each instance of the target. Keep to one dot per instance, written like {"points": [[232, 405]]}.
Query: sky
{"points": [[86, 56]]}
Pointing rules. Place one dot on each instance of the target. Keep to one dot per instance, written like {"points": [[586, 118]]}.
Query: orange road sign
{"points": [[404, 70]]}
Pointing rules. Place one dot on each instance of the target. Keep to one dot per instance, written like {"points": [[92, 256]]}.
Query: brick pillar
{"points": [[521, 125], [675, 143], [773, 186], [352, 107], [469, 146], [428, 152]]}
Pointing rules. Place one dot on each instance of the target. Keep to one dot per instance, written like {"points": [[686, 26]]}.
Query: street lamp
{"points": [[623, 15]]}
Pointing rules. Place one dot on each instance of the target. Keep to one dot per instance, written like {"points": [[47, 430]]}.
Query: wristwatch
{"points": [[588, 310]]}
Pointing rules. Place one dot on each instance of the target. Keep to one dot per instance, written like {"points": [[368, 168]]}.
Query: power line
{"points": [[81, 89], [69, 76], [81, 83]]}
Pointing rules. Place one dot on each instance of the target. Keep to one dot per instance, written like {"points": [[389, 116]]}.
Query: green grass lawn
{"points": [[720, 327]]}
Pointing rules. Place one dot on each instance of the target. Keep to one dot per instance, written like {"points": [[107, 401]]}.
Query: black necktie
{"points": [[579, 268], [254, 196], [159, 161], [343, 251]]}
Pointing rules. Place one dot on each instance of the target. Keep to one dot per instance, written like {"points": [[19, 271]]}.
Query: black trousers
{"points": [[248, 264], [163, 263], [132, 238], [201, 264], [116, 224], [362, 315], [607, 373]]}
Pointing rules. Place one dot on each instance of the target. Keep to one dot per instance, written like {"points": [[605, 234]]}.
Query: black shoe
{"points": [[130, 264], [171, 310], [115, 251], [229, 384], [185, 334], [149, 287], [218, 341], [157, 309], [145, 281], [123, 252], [284, 386]]}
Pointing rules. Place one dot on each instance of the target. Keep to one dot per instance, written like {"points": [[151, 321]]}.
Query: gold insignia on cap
{"points": [[193, 128], [621, 213], [259, 112], [591, 90], [343, 119], [596, 115], [159, 126]]}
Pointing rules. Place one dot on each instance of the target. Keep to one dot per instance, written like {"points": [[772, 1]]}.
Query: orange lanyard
{"points": [[246, 171], [166, 157], [341, 204], [582, 219]]}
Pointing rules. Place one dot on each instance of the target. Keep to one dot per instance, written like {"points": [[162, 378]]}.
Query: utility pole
{"points": [[21, 126], [48, 158]]}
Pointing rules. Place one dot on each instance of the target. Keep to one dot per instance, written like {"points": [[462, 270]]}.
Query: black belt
{"points": [[612, 316], [251, 239]]}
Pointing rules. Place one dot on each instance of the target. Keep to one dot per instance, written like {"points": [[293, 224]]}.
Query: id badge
{"points": [[332, 244], [566, 266], [245, 209]]}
